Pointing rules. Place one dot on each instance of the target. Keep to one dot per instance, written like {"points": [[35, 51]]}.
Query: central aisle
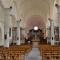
{"points": [[34, 55]]}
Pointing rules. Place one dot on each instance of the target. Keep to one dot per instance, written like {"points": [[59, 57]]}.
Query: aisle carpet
{"points": [[34, 55]]}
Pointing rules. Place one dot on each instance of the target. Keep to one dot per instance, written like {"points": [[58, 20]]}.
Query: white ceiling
{"points": [[41, 5]]}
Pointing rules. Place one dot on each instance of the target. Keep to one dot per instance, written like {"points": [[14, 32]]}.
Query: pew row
{"points": [[14, 52], [49, 52]]}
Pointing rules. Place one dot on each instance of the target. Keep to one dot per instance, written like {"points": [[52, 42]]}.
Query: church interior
{"points": [[29, 29]]}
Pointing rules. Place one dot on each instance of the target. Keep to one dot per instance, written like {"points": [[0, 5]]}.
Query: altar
{"points": [[35, 42]]}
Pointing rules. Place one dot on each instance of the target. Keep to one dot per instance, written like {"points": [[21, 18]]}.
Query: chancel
{"points": [[29, 29]]}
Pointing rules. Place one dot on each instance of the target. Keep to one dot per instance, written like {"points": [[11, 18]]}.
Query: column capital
{"points": [[50, 19], [7, 11], [18, 20], [57, 6], [8, 7]]}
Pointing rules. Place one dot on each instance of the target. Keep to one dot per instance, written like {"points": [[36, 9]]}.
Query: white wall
{"points": [[2, 24], [2, 35]]}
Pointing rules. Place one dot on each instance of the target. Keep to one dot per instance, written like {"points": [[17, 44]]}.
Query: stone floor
{"points": [[34, 55]]}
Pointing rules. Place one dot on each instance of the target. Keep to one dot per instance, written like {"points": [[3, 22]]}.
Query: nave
{"points": [[34, 54], [29, 29]]}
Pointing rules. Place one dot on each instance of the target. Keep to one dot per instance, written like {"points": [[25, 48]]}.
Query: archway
{"points": [[39, 22], [13, 29], [35, 20]]}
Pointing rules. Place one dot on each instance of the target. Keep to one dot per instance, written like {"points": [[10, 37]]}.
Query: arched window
{"points": [[35, 28]]}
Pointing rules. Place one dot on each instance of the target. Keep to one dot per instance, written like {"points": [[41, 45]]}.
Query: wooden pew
{"points": [[14, 52], [50, 52]]}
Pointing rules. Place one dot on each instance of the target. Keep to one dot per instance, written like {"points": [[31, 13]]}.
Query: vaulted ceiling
{"points": [[35, 7], [41, 8], [41, 5], [35, 20]]}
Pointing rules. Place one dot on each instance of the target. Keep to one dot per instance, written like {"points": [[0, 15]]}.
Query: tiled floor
{"points": [[34, 55]]}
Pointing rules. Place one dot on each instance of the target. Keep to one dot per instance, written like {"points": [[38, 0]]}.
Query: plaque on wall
{"points": [[5, 36]]}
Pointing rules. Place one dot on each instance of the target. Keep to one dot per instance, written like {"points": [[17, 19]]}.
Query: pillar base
{"points": [[18, 42], [6, 43], [52, 42]]}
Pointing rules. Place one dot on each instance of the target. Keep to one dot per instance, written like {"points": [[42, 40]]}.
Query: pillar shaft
{"points": [[52, 32], [58, 8], [18, 33], [6, 27]]}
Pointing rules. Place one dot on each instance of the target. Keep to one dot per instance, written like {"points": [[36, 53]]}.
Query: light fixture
{"points": [[35, 28]]}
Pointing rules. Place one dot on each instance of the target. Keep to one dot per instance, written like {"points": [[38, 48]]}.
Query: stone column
{"points": [[6, 27], [45, 33], [58, 8], [18, 33], [52, 31], [27, 31]]}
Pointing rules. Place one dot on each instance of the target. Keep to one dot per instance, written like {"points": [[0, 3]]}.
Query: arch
{"points": [[2, 3], [24, 6], [14, 10], [35, 20], [32, 12], [24, 1]]}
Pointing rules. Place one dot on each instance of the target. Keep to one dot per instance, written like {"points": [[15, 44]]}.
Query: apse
{"points": [[35, 21]]}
